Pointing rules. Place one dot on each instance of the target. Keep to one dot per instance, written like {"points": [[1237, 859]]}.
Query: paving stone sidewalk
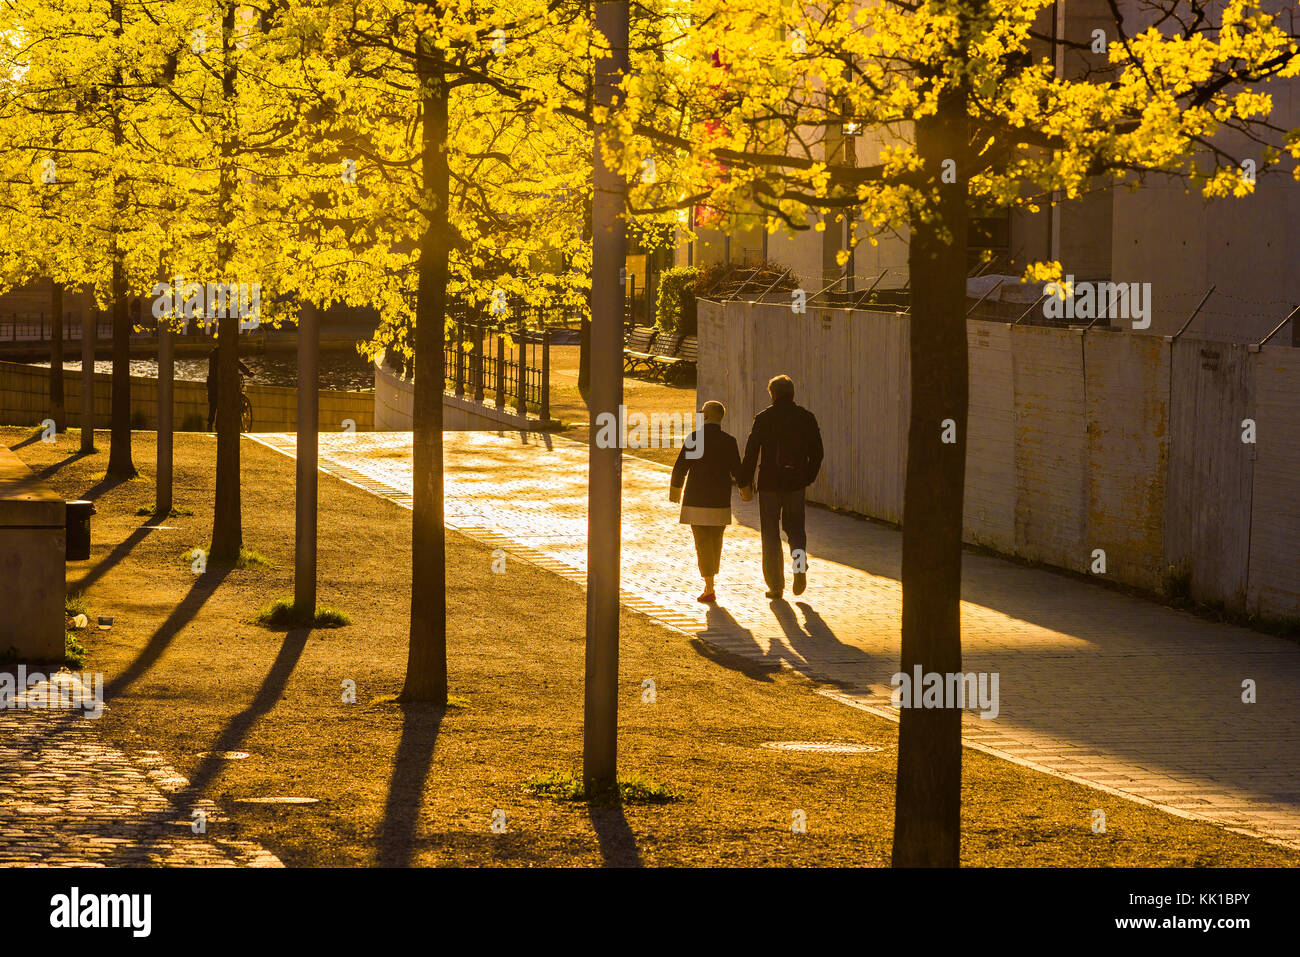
{"points": [[1125, 695], [67, 799]]}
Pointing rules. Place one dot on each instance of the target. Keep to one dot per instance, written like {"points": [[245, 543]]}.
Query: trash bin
{"points": [[78, 530]]}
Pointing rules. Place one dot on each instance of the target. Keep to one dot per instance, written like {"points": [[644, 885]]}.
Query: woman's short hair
{"points": [[781, 387], [713, 411]]}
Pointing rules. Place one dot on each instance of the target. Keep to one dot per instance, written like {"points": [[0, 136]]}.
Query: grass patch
{"points": [[74, 652], [634, 788], [75, 604], [281, 613], [177, 511], [248, 559]]}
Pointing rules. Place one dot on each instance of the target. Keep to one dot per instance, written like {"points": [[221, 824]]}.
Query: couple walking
{"points": [[785, 446]]}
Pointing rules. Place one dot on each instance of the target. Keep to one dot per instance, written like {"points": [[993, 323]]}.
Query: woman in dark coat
{"points": [[708, 465]]}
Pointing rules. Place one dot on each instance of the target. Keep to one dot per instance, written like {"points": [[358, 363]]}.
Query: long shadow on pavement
{"points": [[237, 728], [49, 470], [30, 440], [821, 654], [181, 616], [617, 842], [109, 561], [399, 829], [726, 643], [268, 694], [103, 486]]}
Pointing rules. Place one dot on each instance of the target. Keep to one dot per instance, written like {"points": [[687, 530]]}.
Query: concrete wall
{"points": [[32, 550], [1275, 494], [1077, 441], [1051, 450], [25, 391], [1211, 472], [1126, 384], [989, 513]]}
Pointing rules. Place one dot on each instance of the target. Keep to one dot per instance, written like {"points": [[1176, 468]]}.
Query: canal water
{"points": [[341, 370]]}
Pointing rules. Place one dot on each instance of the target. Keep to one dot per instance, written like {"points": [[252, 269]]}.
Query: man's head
{"points": [[713, 412], [781, 388]]}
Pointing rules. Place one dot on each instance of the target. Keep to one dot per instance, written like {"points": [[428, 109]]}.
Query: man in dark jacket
{"points": [[213, 380], [785, 446]]}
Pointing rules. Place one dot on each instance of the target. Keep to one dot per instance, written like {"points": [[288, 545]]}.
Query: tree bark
{"points": [[928, 802], [89, 333], [166, 423], [227, 522], [304, 561], [604, 497], [426, 663], [120, 465], [584, 331], [57, 411]]}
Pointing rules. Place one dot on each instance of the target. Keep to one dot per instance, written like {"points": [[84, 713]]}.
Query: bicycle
{"points": [[245, 413]]}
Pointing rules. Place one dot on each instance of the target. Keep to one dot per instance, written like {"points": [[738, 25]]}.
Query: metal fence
{"points": [[509, 360], [40, 328]]}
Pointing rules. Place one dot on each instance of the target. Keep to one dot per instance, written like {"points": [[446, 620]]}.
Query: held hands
{"points": [[675, 494], [746, 493]]}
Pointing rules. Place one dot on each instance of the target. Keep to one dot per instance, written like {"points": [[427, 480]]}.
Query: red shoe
{"points": [[708, 598]]}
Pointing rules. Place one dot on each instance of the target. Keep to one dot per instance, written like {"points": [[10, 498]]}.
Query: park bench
{"points": [[677, 358], [663, 353], [638, 349], [685, 359]]}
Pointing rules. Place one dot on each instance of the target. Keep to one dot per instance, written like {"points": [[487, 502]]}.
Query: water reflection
{"points": [[343, 370]]}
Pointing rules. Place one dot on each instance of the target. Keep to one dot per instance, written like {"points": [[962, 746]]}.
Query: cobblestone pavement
{"points": [[1125, 695], [67, 799]]}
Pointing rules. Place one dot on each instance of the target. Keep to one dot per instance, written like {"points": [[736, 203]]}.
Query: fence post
{"points": [[521, 373], [501, 366], [458, 361], [477, 366], [546, 375]]}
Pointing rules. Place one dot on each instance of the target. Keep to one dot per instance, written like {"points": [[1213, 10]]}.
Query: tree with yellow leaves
{"points": [[429, 165], [969, 113]]}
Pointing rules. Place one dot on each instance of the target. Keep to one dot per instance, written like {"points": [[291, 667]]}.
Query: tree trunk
{"points": [[166, 423], [604, 497], [89, 332], [304, 556], [227, 522], [928, 803], [426, 663], [584, 332], [584, 363], [57, 412], [120, 464]]}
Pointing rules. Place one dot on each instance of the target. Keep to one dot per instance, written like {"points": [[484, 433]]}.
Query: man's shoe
{"points": [[800, 582], [774, 595]]}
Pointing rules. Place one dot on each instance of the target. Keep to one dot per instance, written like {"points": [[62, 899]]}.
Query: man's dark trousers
{"points": [[777, 510]]}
